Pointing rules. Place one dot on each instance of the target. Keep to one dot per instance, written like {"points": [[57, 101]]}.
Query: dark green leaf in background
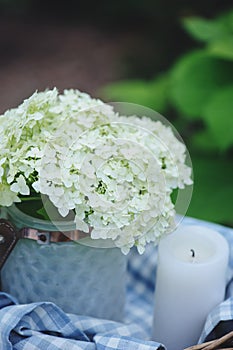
{"points": [[194, 79], [218, 115], [203, 29], [226, 19], [222, 48], [213, 190], [151, 94], [204, 141]]}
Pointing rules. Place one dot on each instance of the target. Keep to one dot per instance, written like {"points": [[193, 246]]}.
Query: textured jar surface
{"points": [[79, 279]]}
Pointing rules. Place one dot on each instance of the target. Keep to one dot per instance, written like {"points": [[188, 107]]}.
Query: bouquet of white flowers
{"points": [[115, 173]]}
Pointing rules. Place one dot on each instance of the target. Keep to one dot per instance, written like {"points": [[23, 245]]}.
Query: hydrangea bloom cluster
{"points": [[116, 173]]}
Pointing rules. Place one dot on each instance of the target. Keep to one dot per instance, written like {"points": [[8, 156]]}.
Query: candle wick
{"points": [[192, 253]]}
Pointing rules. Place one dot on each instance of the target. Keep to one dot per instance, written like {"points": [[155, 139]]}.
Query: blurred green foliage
{"points": [[198, 92]]}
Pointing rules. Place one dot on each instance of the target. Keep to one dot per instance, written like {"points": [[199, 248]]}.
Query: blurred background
{"points": [[175, 57]]}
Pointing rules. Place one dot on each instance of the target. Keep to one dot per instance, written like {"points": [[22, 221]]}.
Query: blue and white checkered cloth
{"points": [[46, 327]]}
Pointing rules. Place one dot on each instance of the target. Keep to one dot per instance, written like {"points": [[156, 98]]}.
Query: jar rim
{"points": [[21, 219], [25, 219]]}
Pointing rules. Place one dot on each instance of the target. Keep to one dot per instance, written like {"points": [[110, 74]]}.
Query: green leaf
{"points": [[204, 141], [213, 189], [194, 79], [222, 48], [226, 20], [160, 90], [219, 118], [42, 212], [203, 29], [150, 94], [31, 206]]}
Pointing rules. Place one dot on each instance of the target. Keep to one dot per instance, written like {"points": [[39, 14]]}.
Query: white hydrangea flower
{"points": [[7, 197], [116, 173], [20, 186], [2, 161]]}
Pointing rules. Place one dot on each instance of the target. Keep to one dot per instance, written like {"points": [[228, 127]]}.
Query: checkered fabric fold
{"points": [[46, 327]]}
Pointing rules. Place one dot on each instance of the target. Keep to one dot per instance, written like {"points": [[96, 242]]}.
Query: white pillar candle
{"points": [[190, 282]]}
